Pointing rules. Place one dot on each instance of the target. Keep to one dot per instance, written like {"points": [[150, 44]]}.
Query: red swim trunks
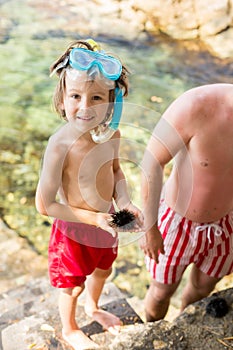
{"points": [[76, 250]]}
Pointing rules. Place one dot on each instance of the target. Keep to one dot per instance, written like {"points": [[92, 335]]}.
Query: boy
{"points": [[192, 221], [81, 166]]}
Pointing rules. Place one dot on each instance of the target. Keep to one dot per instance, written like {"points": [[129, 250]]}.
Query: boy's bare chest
{"points": [[86, 164], [88, 177]]}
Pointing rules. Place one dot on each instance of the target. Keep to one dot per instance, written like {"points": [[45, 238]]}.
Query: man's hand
{"points": [[152, 243]]}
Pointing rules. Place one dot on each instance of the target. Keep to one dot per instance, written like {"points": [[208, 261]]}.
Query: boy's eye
{"points": [[97, 98], [75, 96]]}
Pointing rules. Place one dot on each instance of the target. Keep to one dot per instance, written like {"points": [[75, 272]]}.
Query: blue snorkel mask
{"points": [[83, 59], [91, 64]]}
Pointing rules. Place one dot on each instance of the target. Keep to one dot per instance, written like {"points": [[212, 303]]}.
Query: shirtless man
{"points": [[191, 219], [81, 175]]}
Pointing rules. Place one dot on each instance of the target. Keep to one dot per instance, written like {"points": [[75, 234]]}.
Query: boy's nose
{"points": [[84, 103]]}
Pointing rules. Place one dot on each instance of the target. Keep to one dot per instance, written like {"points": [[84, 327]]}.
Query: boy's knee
{"points": [[99, 273], [108, 272], [73, 292]]}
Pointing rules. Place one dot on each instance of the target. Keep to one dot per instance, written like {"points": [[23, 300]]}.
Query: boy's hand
{"points": [[103, 221], [139, 219]]}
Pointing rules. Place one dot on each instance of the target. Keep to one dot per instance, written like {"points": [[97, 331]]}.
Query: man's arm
{"points": [[170, 135], [151, 187]]}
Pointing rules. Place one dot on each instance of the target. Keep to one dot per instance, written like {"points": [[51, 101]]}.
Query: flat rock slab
{"points": [[34, 322], [43, 330]]}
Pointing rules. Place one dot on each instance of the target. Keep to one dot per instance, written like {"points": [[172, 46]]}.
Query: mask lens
{"points": [[110, 66], [80, 59]]}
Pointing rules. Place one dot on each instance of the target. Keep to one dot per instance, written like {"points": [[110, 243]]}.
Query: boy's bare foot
{"points": [[107, 320], [78, 340]]}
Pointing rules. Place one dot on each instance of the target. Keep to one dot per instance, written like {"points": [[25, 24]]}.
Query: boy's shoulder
{"points": [[60, 140]]}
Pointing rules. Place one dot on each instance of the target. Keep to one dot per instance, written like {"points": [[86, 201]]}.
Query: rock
{"points": [[181, 20], [19, 262], [193, 329], [159, 335], [193, 19], [222, 43], [31, 319], [202, 329]]}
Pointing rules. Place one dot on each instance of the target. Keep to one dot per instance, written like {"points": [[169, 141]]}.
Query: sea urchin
{"points": [[217, 307], [123, 219]]}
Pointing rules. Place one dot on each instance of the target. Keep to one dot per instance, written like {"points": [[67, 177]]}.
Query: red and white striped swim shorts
{"points": [[208, 246]]}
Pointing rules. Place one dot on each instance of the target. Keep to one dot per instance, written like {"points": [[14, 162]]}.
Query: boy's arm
{"points": [[47, 189]]}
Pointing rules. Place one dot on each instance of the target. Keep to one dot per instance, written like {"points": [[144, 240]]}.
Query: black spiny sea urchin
{"points": [[217, 307], [123, 219]]}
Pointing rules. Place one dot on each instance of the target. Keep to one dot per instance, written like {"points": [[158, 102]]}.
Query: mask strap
{"points": [[95, 46], [117, 111]]}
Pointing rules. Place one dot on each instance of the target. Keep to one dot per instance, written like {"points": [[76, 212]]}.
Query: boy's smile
{"points": [[84, 118]]}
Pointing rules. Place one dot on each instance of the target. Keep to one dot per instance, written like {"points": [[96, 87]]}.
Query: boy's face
{"points": [[85, 103]]}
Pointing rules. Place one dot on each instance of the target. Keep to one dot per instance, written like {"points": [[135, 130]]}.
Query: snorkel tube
{"points": [[105, 131]]}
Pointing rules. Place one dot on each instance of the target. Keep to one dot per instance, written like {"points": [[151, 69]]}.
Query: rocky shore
{"points": [[197, 24], [29, 320], [29, 315]]}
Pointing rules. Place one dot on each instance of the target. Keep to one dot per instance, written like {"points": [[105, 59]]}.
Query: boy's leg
{"points": [[157, 300], [70, 330], [199, 286], [95, 284]]}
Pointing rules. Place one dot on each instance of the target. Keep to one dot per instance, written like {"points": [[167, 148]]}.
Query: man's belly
{"points": [[200, 204]]}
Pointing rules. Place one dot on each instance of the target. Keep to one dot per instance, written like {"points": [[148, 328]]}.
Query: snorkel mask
{"points": [[90, 65]]}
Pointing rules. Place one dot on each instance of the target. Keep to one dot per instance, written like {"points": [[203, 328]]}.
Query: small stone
{"points": [[159, 344]]}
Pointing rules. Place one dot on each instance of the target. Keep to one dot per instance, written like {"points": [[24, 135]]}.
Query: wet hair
{"points": [[121, 82]]}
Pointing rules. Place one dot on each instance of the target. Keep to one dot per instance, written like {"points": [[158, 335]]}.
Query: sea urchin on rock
{"points": [[123, 219], [217, 307]]}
